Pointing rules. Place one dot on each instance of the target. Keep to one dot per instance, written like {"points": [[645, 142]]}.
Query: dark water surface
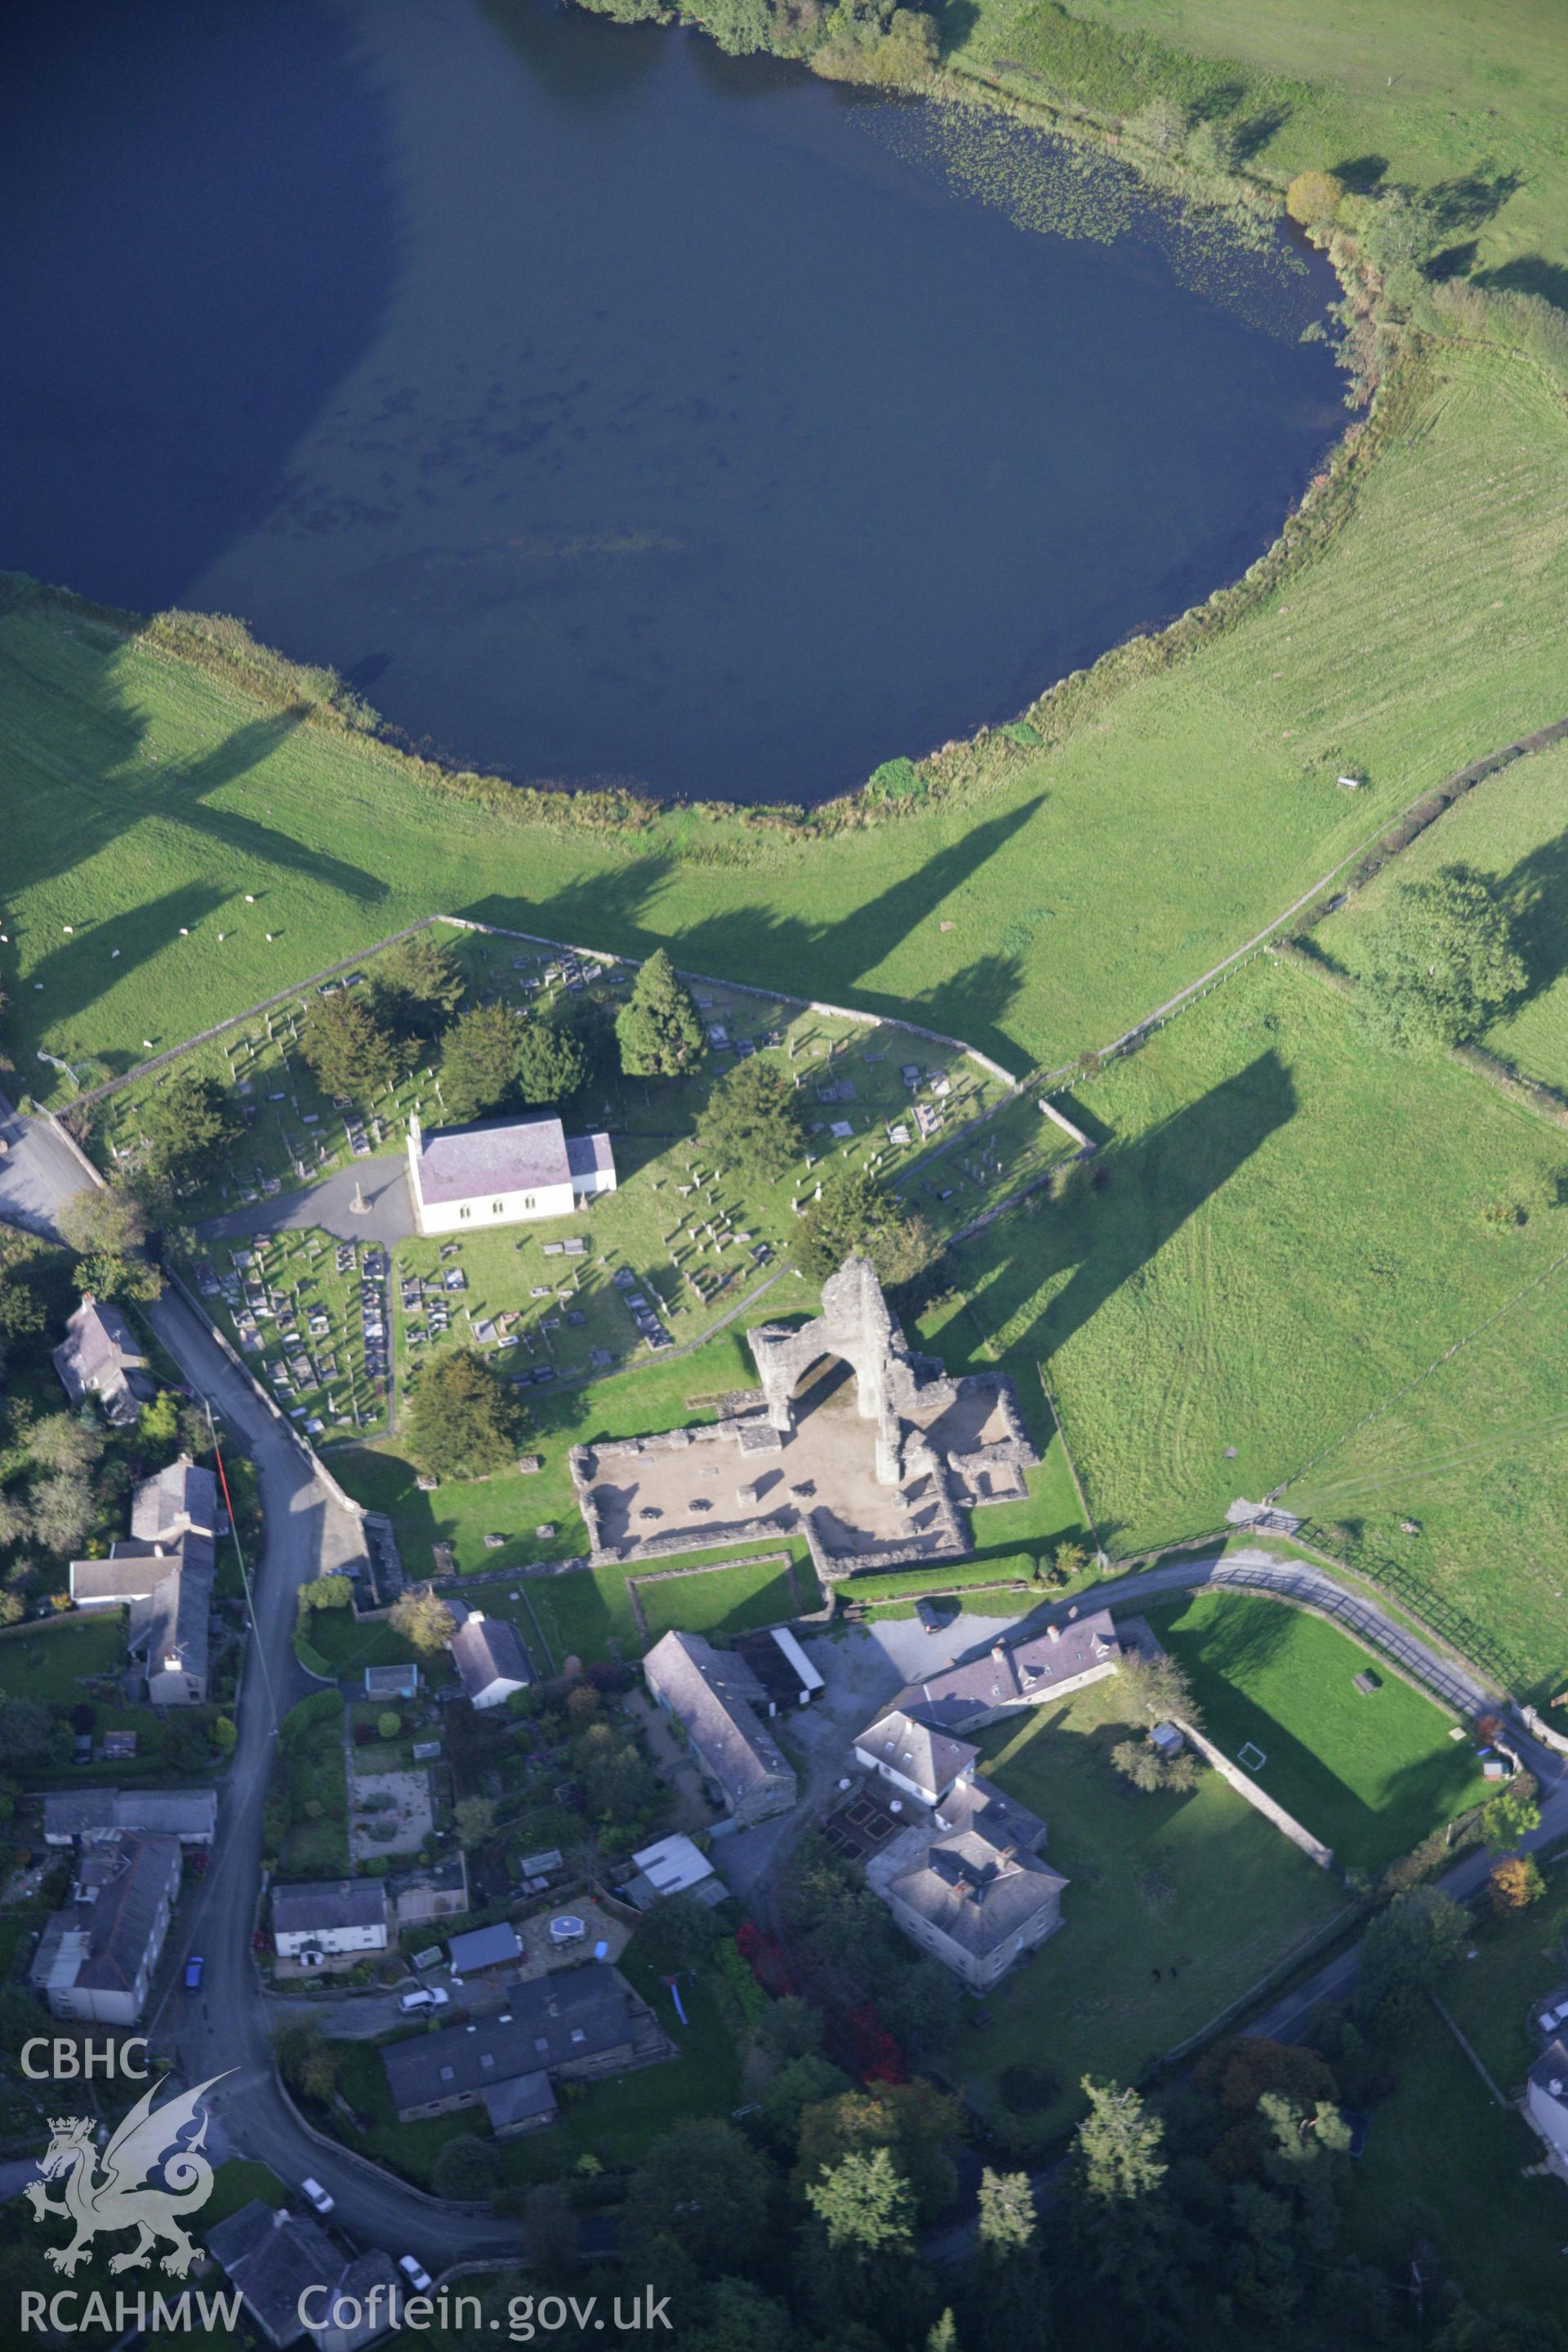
{"points": [[602, 406]]}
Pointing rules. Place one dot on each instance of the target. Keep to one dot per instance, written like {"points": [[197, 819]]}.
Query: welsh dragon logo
{"points": [[111, 2192]]}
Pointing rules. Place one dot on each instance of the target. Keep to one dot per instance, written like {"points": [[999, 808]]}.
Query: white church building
{"points": [[503, 1171]]}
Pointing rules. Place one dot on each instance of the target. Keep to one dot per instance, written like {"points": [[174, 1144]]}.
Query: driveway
{"points": [[384, 1182], [37, 1173]]}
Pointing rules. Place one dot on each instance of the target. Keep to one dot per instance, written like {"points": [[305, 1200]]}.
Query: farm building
{"points": [[503, 1171], [715, 1697]]}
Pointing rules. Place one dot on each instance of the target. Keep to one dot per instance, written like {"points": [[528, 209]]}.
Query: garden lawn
{"points": [[1370, 1774], [614, 2119], [1046, 901], [1513, 830], [1442, 2167], [54, 1660], [726, 1600], [1174, 1908], [1287, 1230]]}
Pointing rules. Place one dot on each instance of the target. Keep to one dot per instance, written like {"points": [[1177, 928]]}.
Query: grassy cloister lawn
{"points": [[1369, 1773], [1175, 1906], [1289, 1228], [1043, 903], [1441, 2139]]}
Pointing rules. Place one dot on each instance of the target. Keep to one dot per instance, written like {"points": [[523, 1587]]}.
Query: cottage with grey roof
{"points": [[316, 1919], [277, 2258], [164, 1577], [917, 1756], [572, 2024], [715, 1697], [489, 1656], [94, 1958], [503, 1171], [100, 1356], [94, 1816]]}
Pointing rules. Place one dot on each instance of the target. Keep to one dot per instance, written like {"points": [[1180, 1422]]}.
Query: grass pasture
{"points": [[1513, 830], [1049, 899], [1290, 1231], [1370, 1774], [1175, 1906]]}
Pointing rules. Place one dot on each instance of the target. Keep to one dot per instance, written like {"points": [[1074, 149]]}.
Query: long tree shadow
{"points": [[1102, 1238], [761, 948], [80, 971], [1535, 895]]}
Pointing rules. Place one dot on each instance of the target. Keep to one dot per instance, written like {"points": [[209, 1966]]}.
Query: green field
{"points": [[1513, 829], [727, 1600], [1291, 1229], [1082, 883], [1175, 1906], [1370, 1774]]}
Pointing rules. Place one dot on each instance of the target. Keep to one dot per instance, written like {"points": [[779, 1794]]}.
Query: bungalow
{"points": [[98, 1816], [563, 2027], [503, 1171], [276, 2258], [100, 1356], [94, 1958], [318, 1919], [715, 1697], [489, 1656]]}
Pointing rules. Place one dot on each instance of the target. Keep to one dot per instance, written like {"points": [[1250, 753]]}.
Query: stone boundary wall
{"points": [[1246, 1786], [1075, 1134], [744, 988]]}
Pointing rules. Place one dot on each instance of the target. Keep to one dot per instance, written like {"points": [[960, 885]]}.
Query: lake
{"points": [[606, 408]]}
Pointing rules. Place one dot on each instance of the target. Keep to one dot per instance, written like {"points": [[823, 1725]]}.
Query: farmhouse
{"points": [[715, 1697], [94, 1958], [163, 1575], [316, 1919], [562, 2027], [487, 1654], [96, 1816], [503, 1171], [101, 1357], [1047, 1665], [967, 1883], [275, 2257]]}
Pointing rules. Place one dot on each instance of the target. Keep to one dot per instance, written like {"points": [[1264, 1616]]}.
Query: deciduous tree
{"points": [[423, 1617], [1439, 964], [1515, 1883], [864, 2204]]}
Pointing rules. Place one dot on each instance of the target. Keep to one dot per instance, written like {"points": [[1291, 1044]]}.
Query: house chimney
{"points": [[1054, 1633]]}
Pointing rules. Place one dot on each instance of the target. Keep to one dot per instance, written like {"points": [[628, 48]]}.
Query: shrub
{"points": [[1314, 197], [389, 1725]]}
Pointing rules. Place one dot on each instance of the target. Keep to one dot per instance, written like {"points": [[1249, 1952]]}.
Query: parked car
{"points": [[426, 1997], [415, 2273], [318, 2196], [930, 1615], [194, 1968]]}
